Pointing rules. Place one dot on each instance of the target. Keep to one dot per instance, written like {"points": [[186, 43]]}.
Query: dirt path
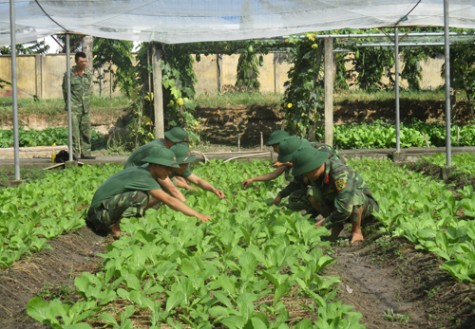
{"points": [[395, 286], [49, 273]]}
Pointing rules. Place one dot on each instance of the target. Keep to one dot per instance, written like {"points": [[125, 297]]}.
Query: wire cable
{"points": [[404, 18], [51, 18]]}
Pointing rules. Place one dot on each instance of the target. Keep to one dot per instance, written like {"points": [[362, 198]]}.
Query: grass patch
{"points": [[56, 106], [388, 95]]}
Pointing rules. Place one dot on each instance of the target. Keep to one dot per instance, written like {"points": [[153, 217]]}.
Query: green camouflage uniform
{"points": [[339, 190], [297, 189], [81, 92], [123, 195], [140, 153]]}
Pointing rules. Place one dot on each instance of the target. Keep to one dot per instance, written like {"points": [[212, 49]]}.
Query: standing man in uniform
{"points": [[132, 191], [339, 193], [81, 92]]}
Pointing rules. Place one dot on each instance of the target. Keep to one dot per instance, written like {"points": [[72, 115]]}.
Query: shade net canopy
{"points": [[184, 21]]}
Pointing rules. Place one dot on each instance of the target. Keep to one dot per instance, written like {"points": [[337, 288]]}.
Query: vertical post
{"points": [[275, 72], [262, 141], [396, 88], [157, 92], [68, 99], [16, 143], [448, 147], [239, 142], [219, 73], [329, 80], [39, 76]]}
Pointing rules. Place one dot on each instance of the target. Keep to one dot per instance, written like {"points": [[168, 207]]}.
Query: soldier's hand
{"points": [[282, 164], [203, 218], [319, 221], [277, 200], [220, 194], [247, 182]]}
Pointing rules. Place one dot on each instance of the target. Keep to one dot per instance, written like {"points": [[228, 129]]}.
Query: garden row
{"points": [[361, 136], [255, 264]]}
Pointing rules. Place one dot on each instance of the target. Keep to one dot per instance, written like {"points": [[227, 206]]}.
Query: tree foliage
{"points": [[117, 56], [248, 70]]}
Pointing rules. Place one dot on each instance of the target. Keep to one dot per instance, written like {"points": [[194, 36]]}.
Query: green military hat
{"points": [[161, 156], [306, 159], [182, 153], [276, 137], [287, 147], [177, 135]]}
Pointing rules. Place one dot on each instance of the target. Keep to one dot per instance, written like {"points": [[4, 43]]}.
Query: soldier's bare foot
{"points": [[115, 231], [356, 239]]}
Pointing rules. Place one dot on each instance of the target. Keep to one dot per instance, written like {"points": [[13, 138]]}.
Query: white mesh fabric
{"points": [[180, 21]]}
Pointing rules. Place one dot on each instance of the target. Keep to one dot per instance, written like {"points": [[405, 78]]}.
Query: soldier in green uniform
{"points": [[184, 173], [339, 193], [173, 136], [132, 191], [297, 189], [81, 92]]}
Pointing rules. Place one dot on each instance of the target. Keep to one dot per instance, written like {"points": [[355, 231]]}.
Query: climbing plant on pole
{"points": [[304, 96]]}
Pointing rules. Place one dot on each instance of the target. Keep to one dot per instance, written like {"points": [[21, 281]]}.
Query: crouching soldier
{"points": [[339, 193], [132, 191]]}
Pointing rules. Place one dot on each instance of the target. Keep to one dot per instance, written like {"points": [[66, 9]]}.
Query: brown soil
{"points": [[395, 286], [425, 111], [47, 273]]}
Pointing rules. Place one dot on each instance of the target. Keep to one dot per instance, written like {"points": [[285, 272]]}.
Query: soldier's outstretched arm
{"points": [[263, 178], [205, 185], [175, 204], [171, 188]]}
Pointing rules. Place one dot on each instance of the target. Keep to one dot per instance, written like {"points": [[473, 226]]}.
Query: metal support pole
{"points": [[447, 85], [396, 88], [16, 143], [68, 100]]}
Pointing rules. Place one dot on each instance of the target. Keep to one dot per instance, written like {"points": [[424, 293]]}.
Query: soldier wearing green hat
{"points": [[173, 136], [297, 189], [183, 174], [339, 193], [132, 191]]}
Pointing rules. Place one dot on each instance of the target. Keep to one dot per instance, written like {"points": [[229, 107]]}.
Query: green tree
{"points": [[412, 70], [118, 54], [248, 70]]}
